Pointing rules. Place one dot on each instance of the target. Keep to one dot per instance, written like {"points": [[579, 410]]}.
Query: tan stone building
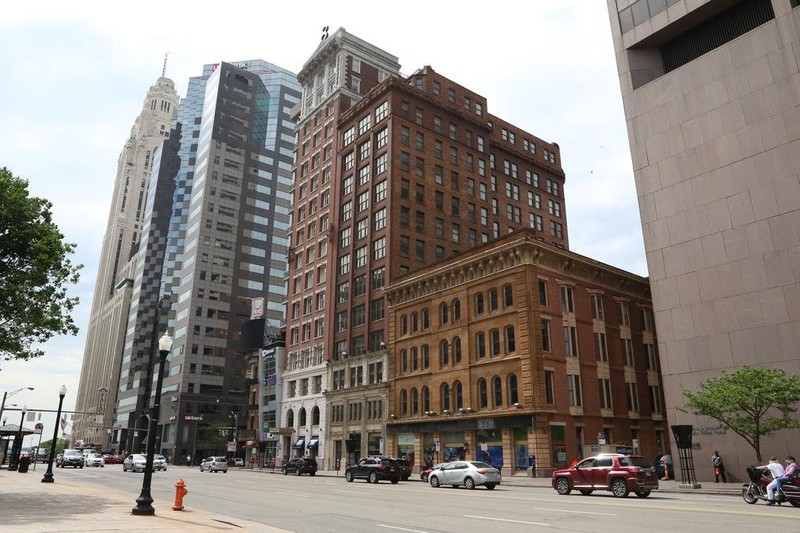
{"points": [[520, 348], [711, 91]]}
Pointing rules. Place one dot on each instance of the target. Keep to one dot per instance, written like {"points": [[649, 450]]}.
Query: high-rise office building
{"points": [[97, 389], [711, 93], [392, 173]]}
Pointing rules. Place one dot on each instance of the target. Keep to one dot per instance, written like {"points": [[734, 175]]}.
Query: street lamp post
{"points": [[6, 395], [48, 476], [17, 449], [144, 503]]}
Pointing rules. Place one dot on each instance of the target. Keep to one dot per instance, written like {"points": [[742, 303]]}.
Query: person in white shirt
{"points": [[775, 468]]}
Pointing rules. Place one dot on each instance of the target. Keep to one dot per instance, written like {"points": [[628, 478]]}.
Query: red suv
{"points": [[620, 474]]}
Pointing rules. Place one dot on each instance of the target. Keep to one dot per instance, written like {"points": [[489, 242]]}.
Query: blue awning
{"points": [[300, 443], [313, 444]]}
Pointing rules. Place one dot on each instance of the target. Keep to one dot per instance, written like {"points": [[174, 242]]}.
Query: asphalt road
{"points": [[329, 504]]}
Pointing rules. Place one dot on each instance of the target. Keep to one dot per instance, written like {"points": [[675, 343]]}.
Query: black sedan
{"points": [[299, 466]]}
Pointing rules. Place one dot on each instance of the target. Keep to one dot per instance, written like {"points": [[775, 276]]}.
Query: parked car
{"points": [[238, 461], [214, 464], [470, 474], [71, 457], [113, 459], [300, 465], [405, 469], [159, 462], [374, 469], [94, 459], [135, 462], [620, 474]]}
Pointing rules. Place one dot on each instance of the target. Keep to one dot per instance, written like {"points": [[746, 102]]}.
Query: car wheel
{"points": [[348, 476], [124, 469], [373, 477], [795, 503], [750, 494], [312, 473], [285, 472], [585, 492], [395, 481], [434, 481], [469, 483], [490, 486], [562, 486], [643, 493], [619, 488]]}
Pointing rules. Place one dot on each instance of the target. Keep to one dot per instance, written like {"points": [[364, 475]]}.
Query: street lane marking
{"points": [[352, 492], [506, 520], [549, 509], [294, 494], [401, 528]]}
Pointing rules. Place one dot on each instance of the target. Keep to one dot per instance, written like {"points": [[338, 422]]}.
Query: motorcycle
{"points": [[757, 488]]}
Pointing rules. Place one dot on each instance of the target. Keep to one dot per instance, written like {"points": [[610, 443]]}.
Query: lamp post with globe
{"points": [[144, 503], [48, 476]]}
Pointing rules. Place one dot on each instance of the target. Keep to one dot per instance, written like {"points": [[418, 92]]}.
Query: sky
{"points": [[75, 75]]}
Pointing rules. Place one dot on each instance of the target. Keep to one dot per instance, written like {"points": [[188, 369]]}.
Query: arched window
{"points": [[444, 394], [456, 350], [479, 303], [426, 356], [403, 361], [403, 402], [414, 322], [511, 340], [414, 359], [444, 353], [480, 345], [458, 393], [493, 300], [315, 416], [426, 319], [497, 391], [302, 417], [414, 402], [404, 325], [513, 394], [290, 418], [426, 399], [456, 309], [508, 295], [483, 399], [443, 314]]}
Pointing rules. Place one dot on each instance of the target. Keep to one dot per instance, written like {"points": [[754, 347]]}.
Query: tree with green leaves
{"points": [[35, 272], [752, 402]]}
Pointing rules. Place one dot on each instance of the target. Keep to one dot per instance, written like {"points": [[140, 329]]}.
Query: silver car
{"points": [[159, 462], [214, 464], [135, 463], [94, 459], [467, 473]]}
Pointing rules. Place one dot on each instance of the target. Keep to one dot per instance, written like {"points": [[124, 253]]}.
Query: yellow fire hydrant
{"points": [[180, 492]]}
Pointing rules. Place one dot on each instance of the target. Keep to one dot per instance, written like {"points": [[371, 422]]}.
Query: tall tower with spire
{"points": [[113, 288]]}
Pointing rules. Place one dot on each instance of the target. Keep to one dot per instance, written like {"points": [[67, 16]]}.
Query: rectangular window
{"points": [[650, 351], [600, 348], [567, 299], [574, 390], [570, 341], [545, 335], [549, 387], [543, 293], [627, 351], [655, 398], [604, 386], [596, 302], [632, 396]]}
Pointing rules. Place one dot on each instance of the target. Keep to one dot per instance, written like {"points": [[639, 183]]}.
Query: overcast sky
{"points": [[75, 75]]}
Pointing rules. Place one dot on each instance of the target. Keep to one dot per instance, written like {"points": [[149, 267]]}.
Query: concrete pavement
{"points": [[28, 505]]}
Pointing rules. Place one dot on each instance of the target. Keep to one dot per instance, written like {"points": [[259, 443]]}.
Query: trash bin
{"points": [[24, 463]]}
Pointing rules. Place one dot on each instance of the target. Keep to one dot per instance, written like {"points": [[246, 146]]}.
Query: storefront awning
{"points": [[313, 444], [300, 443]]}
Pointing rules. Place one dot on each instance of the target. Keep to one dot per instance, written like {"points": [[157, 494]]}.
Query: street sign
{"points": [[37, 429], [190, 418]]}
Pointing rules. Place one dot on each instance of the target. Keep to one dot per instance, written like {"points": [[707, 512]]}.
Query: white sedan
{"points": [[467, 473], [94, 459]]}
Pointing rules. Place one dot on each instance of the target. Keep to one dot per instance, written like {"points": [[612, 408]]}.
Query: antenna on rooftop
{"points": [[164, 69]]}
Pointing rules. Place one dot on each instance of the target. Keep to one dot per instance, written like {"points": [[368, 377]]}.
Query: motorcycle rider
{"points": [[789, 473]]}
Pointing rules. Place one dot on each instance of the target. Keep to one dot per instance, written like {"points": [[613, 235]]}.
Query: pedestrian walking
{"points": [[719, 467], [188, 460]]}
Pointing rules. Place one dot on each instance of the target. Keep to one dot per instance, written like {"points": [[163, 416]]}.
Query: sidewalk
{"points": [[28, 505]]}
